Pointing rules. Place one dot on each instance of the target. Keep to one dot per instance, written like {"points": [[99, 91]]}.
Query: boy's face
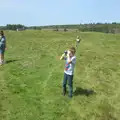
{"points": [[70, 53]]}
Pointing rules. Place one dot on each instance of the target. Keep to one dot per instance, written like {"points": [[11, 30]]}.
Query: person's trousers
{"points": [[68, 78]]}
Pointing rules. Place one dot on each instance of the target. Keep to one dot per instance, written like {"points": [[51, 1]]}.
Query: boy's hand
{"points": [[68, 56], [68, 53]]}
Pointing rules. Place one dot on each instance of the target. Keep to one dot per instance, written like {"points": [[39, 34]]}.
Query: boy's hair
{"points": [[2, 33], [72, 50]]}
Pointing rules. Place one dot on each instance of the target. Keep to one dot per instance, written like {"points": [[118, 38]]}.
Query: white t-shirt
{"points": [[69, 67], [77, 40], [2, 41]]}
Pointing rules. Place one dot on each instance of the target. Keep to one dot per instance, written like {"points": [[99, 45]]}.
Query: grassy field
{"points": [[31, 81]]}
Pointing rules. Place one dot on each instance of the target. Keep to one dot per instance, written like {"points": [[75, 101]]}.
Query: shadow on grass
{"points": [[81, 91], [10, 61]]}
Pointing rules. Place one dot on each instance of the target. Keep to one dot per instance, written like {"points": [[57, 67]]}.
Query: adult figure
{"points": [[77, 41]]}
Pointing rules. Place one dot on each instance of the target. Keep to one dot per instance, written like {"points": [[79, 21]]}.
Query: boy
{"points": [[77, 41], [69, 69], [2, 47]]}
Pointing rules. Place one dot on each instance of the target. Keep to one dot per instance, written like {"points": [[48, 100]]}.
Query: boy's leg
{"points": [[76, 44], [0, 58], [64, 83], [70, 83], [3, 57]]}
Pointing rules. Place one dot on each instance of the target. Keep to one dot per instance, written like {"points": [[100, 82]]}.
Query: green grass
{"points": [[31, 85]]}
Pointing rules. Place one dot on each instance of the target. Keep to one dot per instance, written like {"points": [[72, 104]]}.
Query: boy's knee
{"points": [[70, 83], [64, 85], [70, 86]]}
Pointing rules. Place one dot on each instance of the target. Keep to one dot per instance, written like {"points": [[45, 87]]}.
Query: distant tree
{"points": [[114, 23], [14, 26], [34, 27], [39, 28], [2, 27], [56, 28], [65, 29], [97, 27]]}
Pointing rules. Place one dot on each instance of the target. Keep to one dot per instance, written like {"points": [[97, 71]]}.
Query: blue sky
{"points": [[52, 12]]}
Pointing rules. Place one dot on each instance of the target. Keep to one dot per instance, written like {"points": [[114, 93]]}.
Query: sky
{"points": [[58, 12]]}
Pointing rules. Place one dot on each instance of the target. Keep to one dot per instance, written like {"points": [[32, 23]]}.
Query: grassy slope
{"points": [[30, 86]]}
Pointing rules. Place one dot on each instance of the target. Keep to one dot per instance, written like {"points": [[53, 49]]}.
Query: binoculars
{"points": [[65, 52]]}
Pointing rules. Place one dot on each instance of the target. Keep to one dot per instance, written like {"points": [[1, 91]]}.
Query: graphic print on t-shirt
{"points": [[67, 66]]}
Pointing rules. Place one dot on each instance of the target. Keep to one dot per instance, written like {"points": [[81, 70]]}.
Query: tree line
{"points": [[95, 27], [12, 27]]}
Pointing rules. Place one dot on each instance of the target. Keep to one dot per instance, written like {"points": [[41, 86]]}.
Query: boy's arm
{"points": [[1, 41], [68, 58], [73, 60], [5, 45], [63, 57]]}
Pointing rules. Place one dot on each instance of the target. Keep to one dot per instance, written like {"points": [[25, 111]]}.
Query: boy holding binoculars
{"points": [[70, 58]]}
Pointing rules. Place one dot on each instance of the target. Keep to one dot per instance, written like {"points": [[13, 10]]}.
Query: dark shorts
{"points": [[2, 49], [69, 79]]}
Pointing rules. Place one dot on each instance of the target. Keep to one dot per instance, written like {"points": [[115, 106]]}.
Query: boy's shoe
{"points": [[64, 93], [1, 63], [70, 96], [4, 62]]}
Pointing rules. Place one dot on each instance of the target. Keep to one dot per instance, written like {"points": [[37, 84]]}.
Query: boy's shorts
{"points": [[2, 50]]}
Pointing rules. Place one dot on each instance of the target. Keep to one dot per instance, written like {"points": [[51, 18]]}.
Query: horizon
{"points": [[65, 24], [47, 13]]}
